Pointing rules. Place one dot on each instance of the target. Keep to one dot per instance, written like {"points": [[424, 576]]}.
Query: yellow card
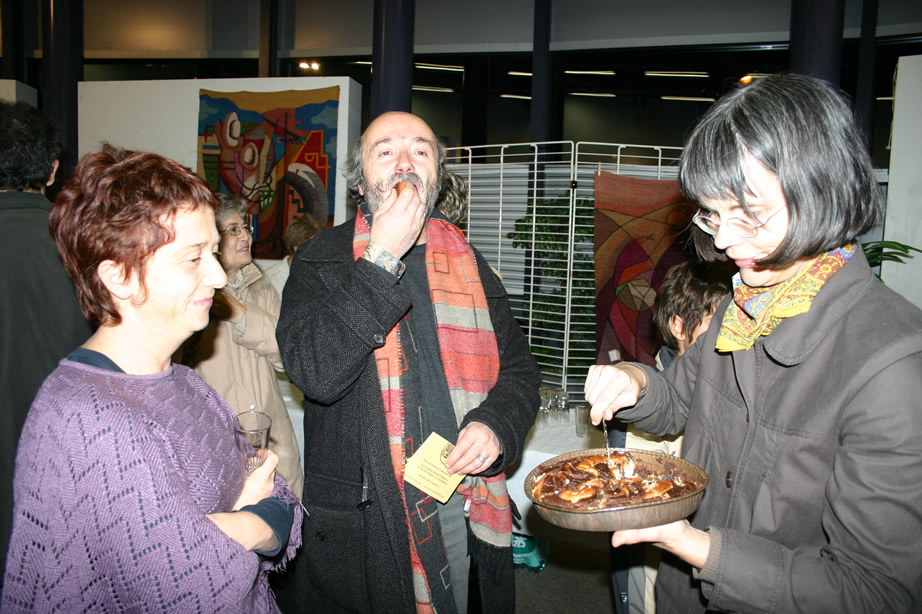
{"points": [[426, 469]]}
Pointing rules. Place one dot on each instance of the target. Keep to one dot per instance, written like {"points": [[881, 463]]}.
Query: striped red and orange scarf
{"points": [[470, 359]]}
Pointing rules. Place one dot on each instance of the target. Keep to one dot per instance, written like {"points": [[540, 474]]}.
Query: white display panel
{"points": [[162, 116], [904, 216]]}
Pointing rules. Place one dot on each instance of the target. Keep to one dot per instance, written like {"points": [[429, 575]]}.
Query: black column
{"points": [[816, 38], [14, 51], [474, 128], [867, 49], [62, 69], [392, 56], [541, 72], [269, 38]]}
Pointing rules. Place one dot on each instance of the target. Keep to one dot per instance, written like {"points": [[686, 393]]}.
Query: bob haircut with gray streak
{"points": [[802, 130]]}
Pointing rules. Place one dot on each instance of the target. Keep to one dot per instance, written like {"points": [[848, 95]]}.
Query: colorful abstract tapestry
{"points": [[275, 149], [640, 233]]}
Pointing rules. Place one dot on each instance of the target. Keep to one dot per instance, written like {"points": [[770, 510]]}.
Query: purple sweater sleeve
{"points": [[114, 477]]}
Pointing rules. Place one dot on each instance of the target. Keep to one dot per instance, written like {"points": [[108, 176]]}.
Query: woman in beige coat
{"points": [[237, 353]]}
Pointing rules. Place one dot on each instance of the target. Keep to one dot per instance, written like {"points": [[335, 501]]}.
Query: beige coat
{"points": [[241, 366]]}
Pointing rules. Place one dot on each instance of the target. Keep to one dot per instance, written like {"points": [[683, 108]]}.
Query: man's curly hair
{"points": [[29, 144]]}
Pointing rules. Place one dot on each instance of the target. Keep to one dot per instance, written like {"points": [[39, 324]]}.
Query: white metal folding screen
{"points": [[531, 215]]}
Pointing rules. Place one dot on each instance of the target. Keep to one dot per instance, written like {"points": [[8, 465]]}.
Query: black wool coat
{"points": [[335, 312], [40, 323]]}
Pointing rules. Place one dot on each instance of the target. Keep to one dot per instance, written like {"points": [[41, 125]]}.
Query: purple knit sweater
{"points": [[114, 476]]}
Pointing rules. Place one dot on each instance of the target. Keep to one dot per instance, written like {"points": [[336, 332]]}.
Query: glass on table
{"points": [[561, 405], [581, 416], [544, 407]]}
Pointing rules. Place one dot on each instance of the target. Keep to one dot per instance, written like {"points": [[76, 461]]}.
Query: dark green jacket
{"points": [[813, 443]]}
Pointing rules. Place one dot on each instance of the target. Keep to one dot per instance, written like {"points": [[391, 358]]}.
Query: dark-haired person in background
{"points": [[682, 311], [40, 320], [802, 400], [685, 304]]}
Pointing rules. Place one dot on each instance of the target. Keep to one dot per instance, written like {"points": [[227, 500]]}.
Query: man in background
{"points": [[40, 319]]}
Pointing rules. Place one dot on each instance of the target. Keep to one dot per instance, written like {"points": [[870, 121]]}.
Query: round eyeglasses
{"points": [[235, 229], [741, 226]]}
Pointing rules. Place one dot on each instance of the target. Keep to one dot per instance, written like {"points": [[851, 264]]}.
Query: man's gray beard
{"points": [[376, 193]]}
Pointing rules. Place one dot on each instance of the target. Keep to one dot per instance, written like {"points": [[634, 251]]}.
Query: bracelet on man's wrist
{"points": [[381, 257]]}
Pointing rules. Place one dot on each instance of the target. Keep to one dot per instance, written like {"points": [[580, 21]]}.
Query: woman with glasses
{"points": [[801, 400], [237, 353], [130, 491]]}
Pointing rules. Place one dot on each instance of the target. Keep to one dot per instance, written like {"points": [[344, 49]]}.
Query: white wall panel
{"points": [[904, 213], [162, 116]]}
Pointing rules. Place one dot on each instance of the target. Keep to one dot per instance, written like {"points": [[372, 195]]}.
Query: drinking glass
{"points": [[581, 415], [253, 437], [544, 408], [561, 405]]}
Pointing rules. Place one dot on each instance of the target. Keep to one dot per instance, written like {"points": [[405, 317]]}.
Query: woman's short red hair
{"points": [[119, 206]]}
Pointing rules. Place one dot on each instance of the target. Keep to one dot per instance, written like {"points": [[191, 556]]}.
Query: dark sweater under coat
{"points": [[335, 312]]}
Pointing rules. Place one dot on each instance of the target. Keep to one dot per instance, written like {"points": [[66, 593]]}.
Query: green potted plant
{"points": [[878, 252]]}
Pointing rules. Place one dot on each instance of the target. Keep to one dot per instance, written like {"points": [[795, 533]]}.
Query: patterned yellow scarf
{"points": [[755, 312]]}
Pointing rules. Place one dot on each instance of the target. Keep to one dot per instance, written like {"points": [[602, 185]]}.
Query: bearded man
{"points": [[394, 327]]}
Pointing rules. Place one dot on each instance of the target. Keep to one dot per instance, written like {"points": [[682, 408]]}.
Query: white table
{"points": [[545, 440]]}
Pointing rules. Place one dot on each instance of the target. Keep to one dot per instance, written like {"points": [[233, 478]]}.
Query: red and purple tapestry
{"points": [[640, 233], [275, 149]]}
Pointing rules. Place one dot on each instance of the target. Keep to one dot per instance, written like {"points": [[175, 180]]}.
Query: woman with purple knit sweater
{"points": [[130, 493]]}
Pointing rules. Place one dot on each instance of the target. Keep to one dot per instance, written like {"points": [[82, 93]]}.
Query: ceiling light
{"points": [[594, 94], [362, 62], [447, 67], [885, 98], [305, 65], [518, 73], [517, 96], [694, 74], [428, 88], [607, 73], [688, 98]]}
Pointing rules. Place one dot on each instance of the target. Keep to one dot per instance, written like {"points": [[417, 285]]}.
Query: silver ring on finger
{"points": [[482, 459]]}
